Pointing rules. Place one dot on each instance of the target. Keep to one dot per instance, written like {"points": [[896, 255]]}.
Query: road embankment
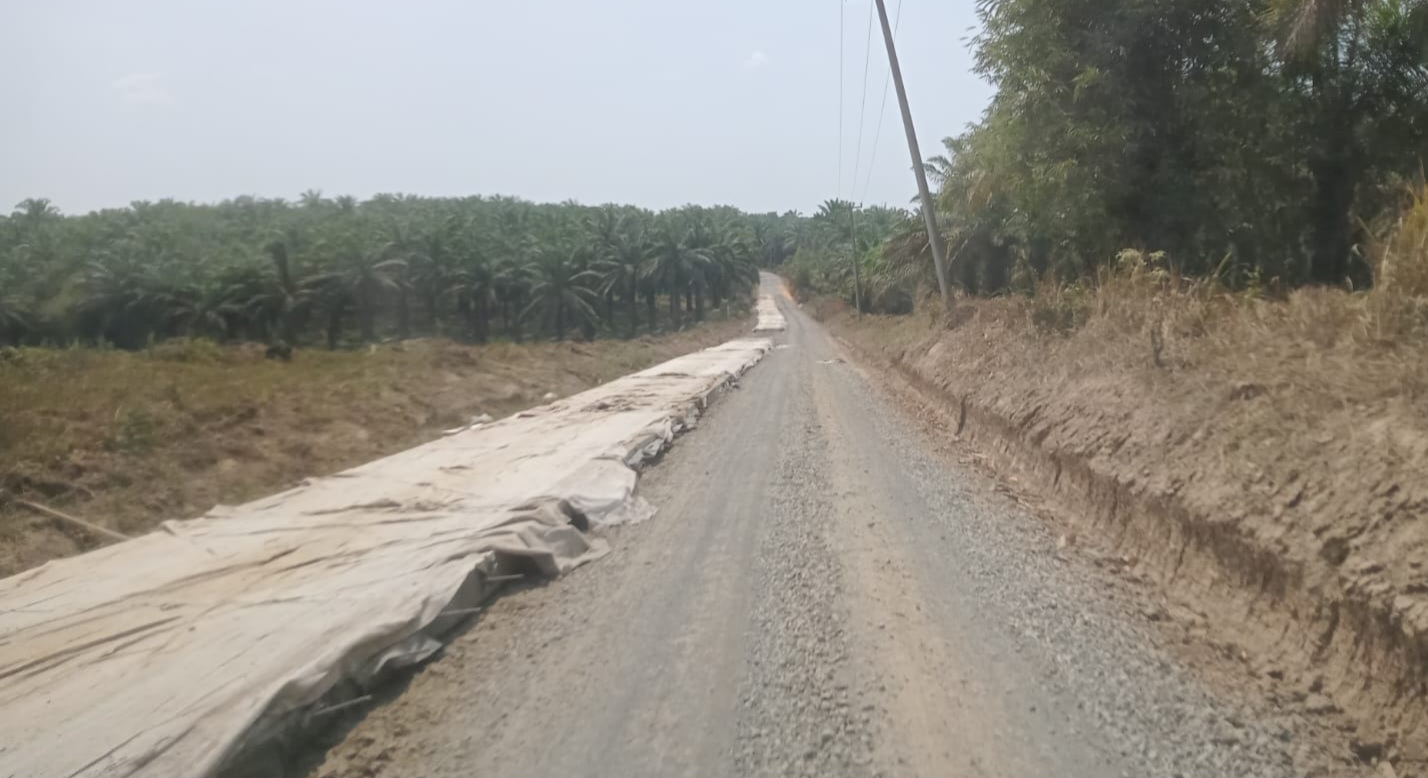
{"points": [[1262, 467]]}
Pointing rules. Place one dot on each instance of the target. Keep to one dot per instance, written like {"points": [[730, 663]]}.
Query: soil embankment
{"points": [[1264, 462]]}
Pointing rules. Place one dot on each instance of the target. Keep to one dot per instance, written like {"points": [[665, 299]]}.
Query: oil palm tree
{"points": [[731, 268], [121, 304], [475, 287], [676, 266], [513, 269], [475, 267], [15, 320], [699, 245], [435, 261], [623, 256], [311, 198], [359, 283], [201, 311], [273, 299], [34, 210], [561, 294]]}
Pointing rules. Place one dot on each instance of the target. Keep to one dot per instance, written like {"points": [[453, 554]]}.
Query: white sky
{"points": [[651, 102]]}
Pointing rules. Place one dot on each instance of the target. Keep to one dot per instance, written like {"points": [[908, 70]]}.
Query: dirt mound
{"points": [[128, 440], [1265, 461]]}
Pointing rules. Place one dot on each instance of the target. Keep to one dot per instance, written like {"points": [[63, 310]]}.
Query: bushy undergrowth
{"points": [[1142, 291]]}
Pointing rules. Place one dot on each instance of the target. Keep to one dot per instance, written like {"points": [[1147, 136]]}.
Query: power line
{"points": [[863, 107], [841, 36], [858, 160], [882, 112]]}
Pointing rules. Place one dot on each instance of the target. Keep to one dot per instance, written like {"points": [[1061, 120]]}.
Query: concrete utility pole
{"points": [[929, 215], [853, 249]]}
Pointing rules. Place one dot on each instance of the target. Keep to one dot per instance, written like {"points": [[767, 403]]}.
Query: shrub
{"points": [[1398, 303], [188, 350], [1060, 308]]}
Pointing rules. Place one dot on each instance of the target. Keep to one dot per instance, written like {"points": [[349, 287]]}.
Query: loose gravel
{"points": [[1033, 605], [796, 717], [823, 593]]}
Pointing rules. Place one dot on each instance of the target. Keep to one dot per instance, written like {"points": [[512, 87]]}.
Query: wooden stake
{"points": [[107, 534]]}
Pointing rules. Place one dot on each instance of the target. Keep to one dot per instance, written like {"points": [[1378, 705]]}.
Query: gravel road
{"points": [[822, 593]]}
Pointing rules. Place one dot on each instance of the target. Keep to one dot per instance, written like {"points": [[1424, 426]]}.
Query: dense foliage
{"points": [[1259, 141], [339, 270], [841, 237]]}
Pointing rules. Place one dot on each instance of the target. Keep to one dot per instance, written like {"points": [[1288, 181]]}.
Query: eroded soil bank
{"points": [[1269, 476]]}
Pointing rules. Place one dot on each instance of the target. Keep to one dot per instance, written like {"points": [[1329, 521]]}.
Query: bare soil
{"points": [[129, 440], [1263, 463]]}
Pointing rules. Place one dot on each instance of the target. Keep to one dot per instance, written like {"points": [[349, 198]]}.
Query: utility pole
{"points": [[853, 249], [934, 237]]}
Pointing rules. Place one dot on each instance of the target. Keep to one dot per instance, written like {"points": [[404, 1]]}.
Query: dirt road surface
{"points": [[824, 591]]}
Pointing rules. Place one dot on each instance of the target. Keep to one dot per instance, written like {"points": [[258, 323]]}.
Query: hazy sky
{"points": [[652, 102]]}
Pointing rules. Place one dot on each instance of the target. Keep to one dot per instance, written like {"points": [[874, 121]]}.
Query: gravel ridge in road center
{"points": [[796, 713]]}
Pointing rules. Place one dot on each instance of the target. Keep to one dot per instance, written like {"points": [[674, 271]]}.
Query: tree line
{"points": [[336, 271], [1262, 142], [842, 247]]}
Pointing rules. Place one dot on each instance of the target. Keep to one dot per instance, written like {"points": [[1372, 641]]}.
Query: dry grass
{"points": [[1335, 346], [128, 440], [1399, 300]]}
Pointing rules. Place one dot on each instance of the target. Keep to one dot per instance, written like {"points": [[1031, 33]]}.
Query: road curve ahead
{"points": [[820, 594]]}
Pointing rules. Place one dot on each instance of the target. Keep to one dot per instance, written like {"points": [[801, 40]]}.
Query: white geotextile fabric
{"points": [[180, 651], [770, 318]]}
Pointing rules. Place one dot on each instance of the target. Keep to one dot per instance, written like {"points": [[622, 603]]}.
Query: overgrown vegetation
{"points": [[338, 271], [841, 236], [1264, 143]]}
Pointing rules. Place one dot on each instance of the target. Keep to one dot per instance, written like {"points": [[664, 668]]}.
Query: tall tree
{"points": [[623, 255], [359, 282], [561, 295], [1361, 67]]}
